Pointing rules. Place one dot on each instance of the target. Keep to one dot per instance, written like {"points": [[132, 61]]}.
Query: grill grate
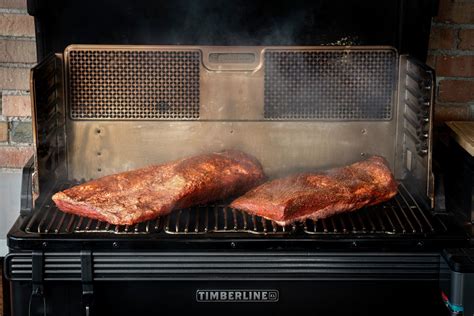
{"points": [[399, 216], [221, 219], [121, 84], [329, 85]]}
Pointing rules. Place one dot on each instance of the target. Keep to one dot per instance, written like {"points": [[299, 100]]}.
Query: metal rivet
{"points": [[355, 244], [364, 131], [45, 244], [115, 244], [232, 245]]}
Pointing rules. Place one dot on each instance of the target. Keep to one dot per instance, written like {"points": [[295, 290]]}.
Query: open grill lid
{"points": [[403, 24]]}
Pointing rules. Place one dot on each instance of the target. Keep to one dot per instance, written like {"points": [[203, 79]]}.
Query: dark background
{"points": [[404, 24]]}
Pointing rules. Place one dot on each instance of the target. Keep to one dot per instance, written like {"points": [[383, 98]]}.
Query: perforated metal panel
{"points": [[133, 84], [330, 85]]}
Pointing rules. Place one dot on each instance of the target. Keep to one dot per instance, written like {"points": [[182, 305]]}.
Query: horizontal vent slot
{"points": [[120, 266]]}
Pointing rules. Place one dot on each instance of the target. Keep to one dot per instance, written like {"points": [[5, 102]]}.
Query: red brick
{"points": [[455, 66], [456, 91], [3, 131], [12, 51], [17, 25], [14, 157], [16, 105], [445, 113], [466, 38], [13, 4], [456, 11], [14, 78], [442, 38]]}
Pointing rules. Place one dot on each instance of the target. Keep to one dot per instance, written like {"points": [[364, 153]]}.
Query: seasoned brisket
{"points": [[322, 194], [134, 196]]}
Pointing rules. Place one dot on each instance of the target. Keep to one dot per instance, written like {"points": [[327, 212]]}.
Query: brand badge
{"points": [[236, 296]]}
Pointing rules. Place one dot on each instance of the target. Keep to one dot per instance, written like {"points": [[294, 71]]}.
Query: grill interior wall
{"points": [[236, 109]]}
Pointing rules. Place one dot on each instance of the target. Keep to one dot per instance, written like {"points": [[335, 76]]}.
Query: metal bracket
{"points": [[87, 278], [27, 187], [37, 297]]}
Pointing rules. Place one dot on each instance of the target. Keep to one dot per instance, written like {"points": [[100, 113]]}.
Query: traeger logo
{"points": [[261, 296]]}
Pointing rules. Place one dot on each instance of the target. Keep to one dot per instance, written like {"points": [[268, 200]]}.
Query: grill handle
{"points": [[87, 278], [37, 303], [27, 187]]}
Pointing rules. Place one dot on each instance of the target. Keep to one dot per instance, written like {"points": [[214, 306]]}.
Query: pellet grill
{"points": [[114, 96]]}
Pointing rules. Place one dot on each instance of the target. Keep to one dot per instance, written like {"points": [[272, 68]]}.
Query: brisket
{"points": [[321, 194], [134, 196]]}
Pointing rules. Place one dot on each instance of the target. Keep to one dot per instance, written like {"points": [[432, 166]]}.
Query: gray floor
{"points": [[10, 184]]}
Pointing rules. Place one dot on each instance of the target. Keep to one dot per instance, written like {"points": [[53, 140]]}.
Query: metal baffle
{"points": [[87, 278], [37, 303]]}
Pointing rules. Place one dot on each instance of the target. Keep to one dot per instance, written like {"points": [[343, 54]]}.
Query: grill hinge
{"points": [[27, 187], [87, 278], [37, 304]]}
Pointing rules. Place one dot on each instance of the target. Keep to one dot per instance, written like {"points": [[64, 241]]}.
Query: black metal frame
{"points": [[404, 24], [168, 280]]}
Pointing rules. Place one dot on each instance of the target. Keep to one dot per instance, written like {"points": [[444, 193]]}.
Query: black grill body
{"points": [[320, 283]]}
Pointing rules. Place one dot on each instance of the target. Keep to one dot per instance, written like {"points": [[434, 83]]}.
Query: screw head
{"points": [[44, 244], [233, 245], [115, 244]]}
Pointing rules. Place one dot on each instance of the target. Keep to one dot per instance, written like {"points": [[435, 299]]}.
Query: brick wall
{"points": [[17, 56], [452, 55]]}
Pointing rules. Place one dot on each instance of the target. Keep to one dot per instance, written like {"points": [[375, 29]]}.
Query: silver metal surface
{"points": [[101, 148], [415, 130]]}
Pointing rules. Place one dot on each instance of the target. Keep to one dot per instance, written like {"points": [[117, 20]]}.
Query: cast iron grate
{"points": [[401, 215], [329, 85]]}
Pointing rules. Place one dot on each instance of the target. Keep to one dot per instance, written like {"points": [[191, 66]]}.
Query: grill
{"points": [[106, 109], [400, 216], [296, 103]]}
